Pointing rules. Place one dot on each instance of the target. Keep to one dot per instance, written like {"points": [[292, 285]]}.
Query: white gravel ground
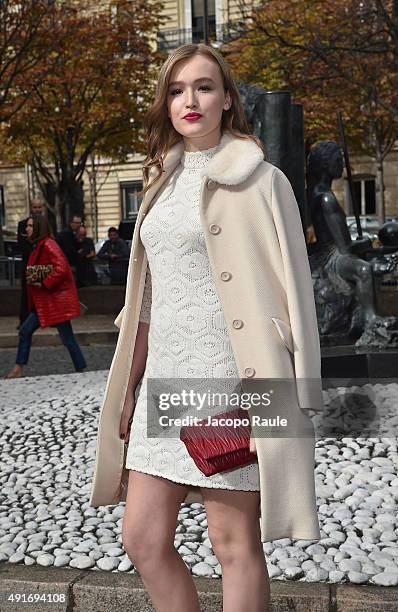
{"points": [[47, 447]]}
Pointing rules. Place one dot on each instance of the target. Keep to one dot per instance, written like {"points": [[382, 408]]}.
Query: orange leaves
{"points": [[332, 54], [95, 57]]}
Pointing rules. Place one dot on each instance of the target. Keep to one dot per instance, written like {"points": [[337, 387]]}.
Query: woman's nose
{"points": [[190, 99]]}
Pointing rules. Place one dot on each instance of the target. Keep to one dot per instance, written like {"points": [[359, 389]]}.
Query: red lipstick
{"points": [[192, 116]]}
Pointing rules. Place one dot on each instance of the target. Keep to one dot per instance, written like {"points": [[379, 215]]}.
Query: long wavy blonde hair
{"points": [[160, 132]]}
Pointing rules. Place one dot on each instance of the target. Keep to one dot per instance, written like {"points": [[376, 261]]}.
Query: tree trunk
{"points": [[71, 195], [93, 198], [2, 248], [380, 199], [58, 213]]}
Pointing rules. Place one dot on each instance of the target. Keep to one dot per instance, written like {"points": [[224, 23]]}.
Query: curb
{"points": [[73, 590], [84, 338]]}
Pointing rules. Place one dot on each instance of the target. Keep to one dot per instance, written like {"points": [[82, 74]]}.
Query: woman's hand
{"points": [[127, 416], [252, 445]]}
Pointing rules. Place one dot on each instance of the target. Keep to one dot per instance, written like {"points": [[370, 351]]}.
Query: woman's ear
{"points": [[228, 102]]}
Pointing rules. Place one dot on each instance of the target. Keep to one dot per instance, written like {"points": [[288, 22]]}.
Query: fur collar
{"points": [[233, 162]]}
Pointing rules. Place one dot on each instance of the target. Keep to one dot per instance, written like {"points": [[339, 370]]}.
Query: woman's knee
{"points": [[233, 526], [233, 540], [145, 546], [231, 548], [225, 545], [25, 332], [135, 543], [67, 339], [150, 516]]}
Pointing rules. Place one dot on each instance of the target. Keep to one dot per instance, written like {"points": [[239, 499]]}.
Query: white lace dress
{"points": [[187, 337]]}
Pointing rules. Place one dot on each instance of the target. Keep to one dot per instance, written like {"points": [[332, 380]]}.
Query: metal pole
{"points": [[206, 22], [297, 160], [354, 202]]}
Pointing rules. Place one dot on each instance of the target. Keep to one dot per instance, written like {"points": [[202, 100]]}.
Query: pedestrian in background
{"points": [[52, 295], [113, 248], [85, 270], [116, 251], [26, 247], [67, 240]]}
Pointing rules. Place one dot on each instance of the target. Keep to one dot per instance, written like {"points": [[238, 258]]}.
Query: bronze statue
{"points": [[335, 255]]}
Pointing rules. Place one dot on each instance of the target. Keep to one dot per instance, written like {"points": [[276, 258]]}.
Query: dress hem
{"points": [[184, 482]]}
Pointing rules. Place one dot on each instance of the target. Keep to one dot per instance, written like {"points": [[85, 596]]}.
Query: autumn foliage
{"points": [[88, 93], [332, 54]]}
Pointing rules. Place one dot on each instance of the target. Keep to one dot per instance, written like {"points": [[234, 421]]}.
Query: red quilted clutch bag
{"points": [[220, 447]]}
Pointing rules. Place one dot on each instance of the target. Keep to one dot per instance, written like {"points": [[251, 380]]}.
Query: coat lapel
{"points": [[233, 162]]}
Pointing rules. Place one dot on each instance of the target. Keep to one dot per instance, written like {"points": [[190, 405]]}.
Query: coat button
{"points": [[250, 372], [135, 258], [237, 323], [215, 229], [211, 184], [226, 276]]}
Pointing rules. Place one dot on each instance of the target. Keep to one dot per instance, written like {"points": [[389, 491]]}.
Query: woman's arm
{"points": [[139, 357], [141, 343]]}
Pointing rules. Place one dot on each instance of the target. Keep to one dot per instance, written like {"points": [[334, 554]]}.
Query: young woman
{"points": [[51, 302], [218, 287]]}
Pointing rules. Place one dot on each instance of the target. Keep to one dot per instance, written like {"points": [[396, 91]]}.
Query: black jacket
{"points": [[25, 246], [68, 243]]}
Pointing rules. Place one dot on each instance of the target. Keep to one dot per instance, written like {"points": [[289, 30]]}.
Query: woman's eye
{"points": [[174, 92]]}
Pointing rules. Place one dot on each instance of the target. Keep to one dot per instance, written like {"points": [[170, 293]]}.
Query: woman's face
{"points": [[29, 227], [196, 86]]}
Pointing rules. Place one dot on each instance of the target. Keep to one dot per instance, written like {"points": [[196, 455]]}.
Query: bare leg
{"points": [[234, 531], [149, 524], [25, 333], [16, 372]]}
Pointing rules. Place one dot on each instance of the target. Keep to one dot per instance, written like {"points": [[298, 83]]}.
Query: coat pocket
{"points": [[285, 333]]}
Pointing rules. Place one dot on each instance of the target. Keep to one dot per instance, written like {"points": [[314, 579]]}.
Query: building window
{"points": [[172, 38], [198, 31], [130, 200], [364, 193], [2, 207]]}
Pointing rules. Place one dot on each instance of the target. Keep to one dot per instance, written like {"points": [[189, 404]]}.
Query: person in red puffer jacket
{"points": [[51, 302]]}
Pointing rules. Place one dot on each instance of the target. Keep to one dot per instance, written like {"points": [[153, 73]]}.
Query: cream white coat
{"points": [[252, 229]]}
